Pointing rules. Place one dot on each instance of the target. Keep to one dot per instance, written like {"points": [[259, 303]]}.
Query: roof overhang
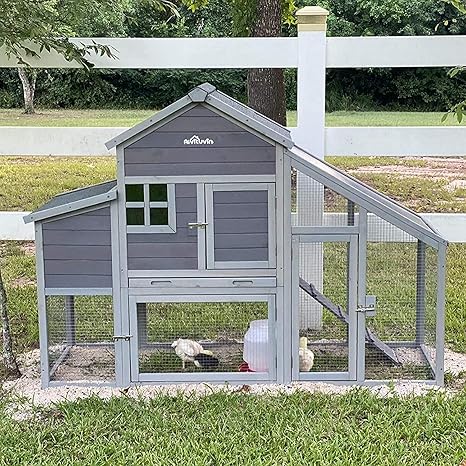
{"points": [[71, 206], [208, 94]]}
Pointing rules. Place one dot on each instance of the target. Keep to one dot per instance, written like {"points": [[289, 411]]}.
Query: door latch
{"points": [[369, 306], [121, 337], [193, 225]]}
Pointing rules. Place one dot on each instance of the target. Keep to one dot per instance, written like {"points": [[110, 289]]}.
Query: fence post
{"points": [[310, 134]]}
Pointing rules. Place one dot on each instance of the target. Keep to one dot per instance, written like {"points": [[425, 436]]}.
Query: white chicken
{"points": [[306, 356], [192, 351]]}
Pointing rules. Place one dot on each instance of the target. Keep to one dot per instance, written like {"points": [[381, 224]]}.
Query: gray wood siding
{"points": [[168, 251], [77, 250], [241, 226], [234, 152]]}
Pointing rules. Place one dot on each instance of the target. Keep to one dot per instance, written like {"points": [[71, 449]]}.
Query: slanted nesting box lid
{"points": [[207, 94], [77, 199]]}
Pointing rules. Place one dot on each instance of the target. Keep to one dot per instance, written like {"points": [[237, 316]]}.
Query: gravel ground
{"points": [[27, 388]]}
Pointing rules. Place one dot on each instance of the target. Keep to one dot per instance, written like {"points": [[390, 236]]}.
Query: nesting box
{"points": [[158, 275]]}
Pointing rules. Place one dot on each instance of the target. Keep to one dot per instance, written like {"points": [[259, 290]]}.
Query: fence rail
{"points": [[310, 52], [282, 52], [446, 141]]}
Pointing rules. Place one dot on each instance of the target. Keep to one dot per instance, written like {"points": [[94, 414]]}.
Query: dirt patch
{"points": [[28, 248], [28, 386], [22, 281], [96, 363], [434, 168], [456, 184]]}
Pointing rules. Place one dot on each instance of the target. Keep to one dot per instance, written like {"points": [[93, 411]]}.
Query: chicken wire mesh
{"points": [[80, 338], [203, 337], [314, 204], [329, 342], [401, 274]]}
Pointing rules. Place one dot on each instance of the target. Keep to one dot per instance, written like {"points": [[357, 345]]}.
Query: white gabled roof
{"points": [[208, 94]]}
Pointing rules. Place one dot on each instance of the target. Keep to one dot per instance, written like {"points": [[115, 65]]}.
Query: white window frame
{"points": [[147, 205]]}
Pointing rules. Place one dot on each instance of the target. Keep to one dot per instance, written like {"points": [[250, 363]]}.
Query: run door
{"points": [[240, 225], [324, 306]]}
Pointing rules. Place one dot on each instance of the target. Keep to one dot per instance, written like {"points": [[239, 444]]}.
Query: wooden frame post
{"points": [[70, 321], [310, 134]]}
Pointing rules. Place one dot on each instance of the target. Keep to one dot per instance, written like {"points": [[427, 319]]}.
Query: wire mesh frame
{"points": [[367, 228], [344, 370], [425, 348], [168, 377], [417, 289], [79, 344]]}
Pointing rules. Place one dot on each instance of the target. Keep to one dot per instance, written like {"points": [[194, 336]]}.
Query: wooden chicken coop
{"points": [[193, 264]]}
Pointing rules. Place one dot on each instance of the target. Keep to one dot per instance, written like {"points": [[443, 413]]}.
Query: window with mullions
{"points": [[150, 208]]}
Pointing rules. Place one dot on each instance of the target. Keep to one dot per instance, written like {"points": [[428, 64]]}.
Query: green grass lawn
{"points": [[113, 117], [230, 429]]}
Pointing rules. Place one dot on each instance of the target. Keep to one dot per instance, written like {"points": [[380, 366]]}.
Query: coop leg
{"points": [[421, 293], [70, 321], [310, 209], [350, 222], [142, 323]]}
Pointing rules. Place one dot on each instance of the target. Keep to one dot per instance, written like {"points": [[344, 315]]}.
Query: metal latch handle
{"points": [[369, 307], [122, 337], [197, 225]]}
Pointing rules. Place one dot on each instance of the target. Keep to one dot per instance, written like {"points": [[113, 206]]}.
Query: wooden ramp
{"points": [[371, 338]]}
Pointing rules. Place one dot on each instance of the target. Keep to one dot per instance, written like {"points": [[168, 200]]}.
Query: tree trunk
{"points": [[266, 87], [28, 81], [9, 359]]}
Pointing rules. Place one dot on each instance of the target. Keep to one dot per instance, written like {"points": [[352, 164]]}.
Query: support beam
{"points": [[421, 293], [142, 323], [70, 321]]}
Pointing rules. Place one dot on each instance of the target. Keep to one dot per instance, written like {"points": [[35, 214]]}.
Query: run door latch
{"points": [[369, 307], [121, 337]]}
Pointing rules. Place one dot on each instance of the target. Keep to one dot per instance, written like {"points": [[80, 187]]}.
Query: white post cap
{"points": [[312, 18]]}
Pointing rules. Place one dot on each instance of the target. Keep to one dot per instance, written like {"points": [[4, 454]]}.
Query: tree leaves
{"points": [[27, 28]]}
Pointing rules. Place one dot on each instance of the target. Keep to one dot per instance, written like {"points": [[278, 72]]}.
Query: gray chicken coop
{"points": [[225, 253]]}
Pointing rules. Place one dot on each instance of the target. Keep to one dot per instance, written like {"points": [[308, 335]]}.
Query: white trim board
{"points": [[74, 141], [12, 226], [167, 53], [398, 141], [265, 52]]}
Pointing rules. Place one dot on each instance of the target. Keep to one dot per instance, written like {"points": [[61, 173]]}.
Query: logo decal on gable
{"points": [[196, 140]]}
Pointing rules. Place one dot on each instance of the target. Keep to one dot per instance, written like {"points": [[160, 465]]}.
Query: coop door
{"points": [[324, 307], [202, 338], [240, 230]]}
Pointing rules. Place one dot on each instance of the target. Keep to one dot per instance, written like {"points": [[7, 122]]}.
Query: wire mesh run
{"points": [[402, 276], [326, 344], [203, 337], [314, 204], [80, 338]]}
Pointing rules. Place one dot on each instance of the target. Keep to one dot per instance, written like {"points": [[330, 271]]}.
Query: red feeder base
{"points": [[244, 367]]}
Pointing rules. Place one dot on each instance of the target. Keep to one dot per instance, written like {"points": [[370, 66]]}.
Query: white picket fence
{"points": [[311, 53]]}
